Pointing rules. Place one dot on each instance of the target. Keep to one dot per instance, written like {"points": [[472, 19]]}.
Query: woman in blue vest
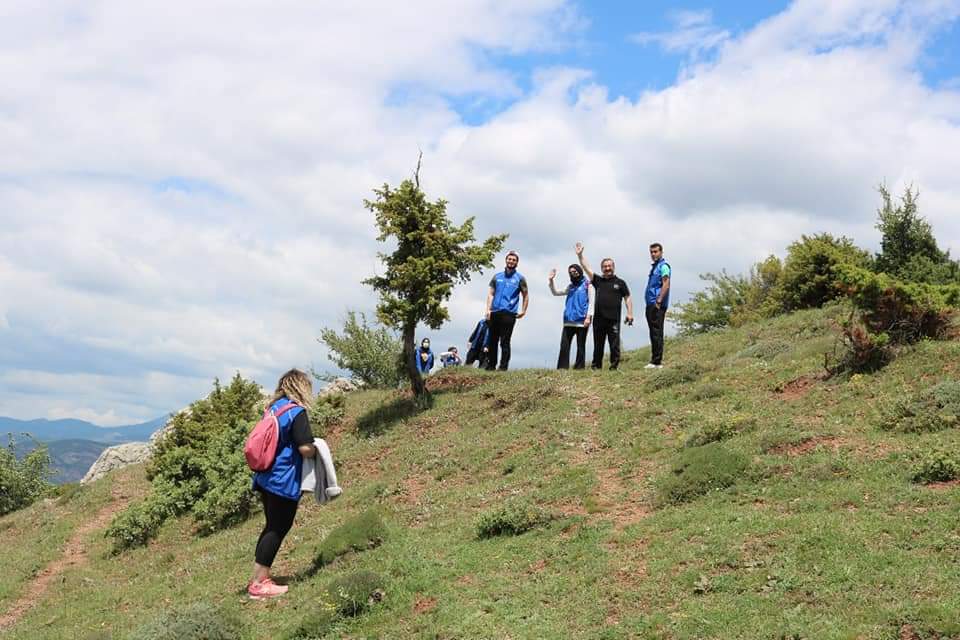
{"points": [[424, 357], [577, 315], [279, 487]]}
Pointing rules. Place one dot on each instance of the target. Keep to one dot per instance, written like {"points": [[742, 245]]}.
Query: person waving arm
{"points": [[583, 261]]}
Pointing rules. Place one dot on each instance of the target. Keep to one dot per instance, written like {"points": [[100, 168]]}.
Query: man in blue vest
{"points": [[657, 298], [503, 302]]}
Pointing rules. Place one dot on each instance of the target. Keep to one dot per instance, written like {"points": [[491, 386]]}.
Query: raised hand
{"points": [[553, 274], [579, 248]]}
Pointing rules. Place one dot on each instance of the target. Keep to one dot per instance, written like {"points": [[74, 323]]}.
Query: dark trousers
{"points": [[280, 513], [655, 322], [563, 362], [501, 329], [604, 330]]}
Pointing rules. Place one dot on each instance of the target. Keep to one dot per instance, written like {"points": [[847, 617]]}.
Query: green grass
{"points": [[824, 535], [36, 535]]}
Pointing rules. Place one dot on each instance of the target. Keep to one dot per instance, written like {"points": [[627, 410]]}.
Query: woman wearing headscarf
{"points": [[577, 315], [424, 357]]}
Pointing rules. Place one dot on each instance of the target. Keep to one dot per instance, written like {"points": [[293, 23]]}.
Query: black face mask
{"points": [[576, 277]]}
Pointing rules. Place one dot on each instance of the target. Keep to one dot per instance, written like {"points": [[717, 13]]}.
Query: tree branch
{"points": [[416, 172]]}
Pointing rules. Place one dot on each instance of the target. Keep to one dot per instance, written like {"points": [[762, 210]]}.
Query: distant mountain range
{"points": [[69, 429], [74, 445]]}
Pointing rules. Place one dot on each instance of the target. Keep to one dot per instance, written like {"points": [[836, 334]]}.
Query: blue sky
{"points": [[605, 44], [190, 204]]}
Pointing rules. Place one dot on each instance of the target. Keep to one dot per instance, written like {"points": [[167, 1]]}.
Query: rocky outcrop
{"points": [[117, 457], [123, 455], [340, 385]]}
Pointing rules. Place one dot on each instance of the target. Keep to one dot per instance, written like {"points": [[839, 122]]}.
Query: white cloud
{"points": [[181, 198], [694, 34]]}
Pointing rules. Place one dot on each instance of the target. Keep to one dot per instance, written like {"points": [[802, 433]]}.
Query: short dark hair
{"points": [[656, 245]]}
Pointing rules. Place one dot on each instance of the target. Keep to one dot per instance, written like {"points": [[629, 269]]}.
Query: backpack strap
{"points": [[284, 409]]}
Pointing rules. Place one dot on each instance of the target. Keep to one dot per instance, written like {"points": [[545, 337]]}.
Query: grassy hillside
{"points": [[823, 534]]}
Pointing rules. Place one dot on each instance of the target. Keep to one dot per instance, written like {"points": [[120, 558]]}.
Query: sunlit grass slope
{"points": [[822, 533]]}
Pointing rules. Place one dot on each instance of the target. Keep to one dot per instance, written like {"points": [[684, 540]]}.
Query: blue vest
{"points": [[423, 367], [506, 294], [450, 361], [283, 478], [655, 283], [578, 302]]}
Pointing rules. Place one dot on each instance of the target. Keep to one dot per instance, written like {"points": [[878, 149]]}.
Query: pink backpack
{"points": [[260, 449]]}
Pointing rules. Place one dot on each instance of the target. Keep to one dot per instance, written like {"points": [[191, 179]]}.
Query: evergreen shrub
{"points": [[359, 533], [905, 311], [719, 430], [707, 390], [192, 622], [353, 593], [766, 350], [932, 409], [939, 465], [198, 467], [808, 279], [682, 373], [23, 481], [317, 622], [698, 471], [511, 519]]}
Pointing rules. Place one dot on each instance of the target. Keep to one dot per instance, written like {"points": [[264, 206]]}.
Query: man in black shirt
{"points": [[611, 293]]}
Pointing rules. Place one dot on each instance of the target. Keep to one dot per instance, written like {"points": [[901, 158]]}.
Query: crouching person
{"points": [[279, 486]]}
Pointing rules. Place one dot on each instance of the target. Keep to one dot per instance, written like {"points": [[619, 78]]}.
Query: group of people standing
{"points": [[591, 299]]}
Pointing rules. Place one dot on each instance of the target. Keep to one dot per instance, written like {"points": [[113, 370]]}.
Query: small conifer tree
{"points": [[432, 254]]}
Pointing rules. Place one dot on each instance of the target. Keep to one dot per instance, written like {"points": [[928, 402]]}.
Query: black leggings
{"points": [[563, 361], [280, 513]]}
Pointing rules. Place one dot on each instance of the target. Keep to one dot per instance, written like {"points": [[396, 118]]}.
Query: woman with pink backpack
{"points": [[279, 485]]}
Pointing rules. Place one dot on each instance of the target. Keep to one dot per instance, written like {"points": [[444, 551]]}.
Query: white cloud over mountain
{"points": [[181, 196]]}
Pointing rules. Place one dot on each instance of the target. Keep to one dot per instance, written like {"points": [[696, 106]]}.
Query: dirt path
{"points": [[74, 554]]}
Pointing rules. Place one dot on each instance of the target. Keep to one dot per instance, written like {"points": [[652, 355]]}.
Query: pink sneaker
{"points": [[266, 589]]}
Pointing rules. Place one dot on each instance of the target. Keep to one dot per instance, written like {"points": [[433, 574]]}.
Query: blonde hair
{"points": [[294, 385]]}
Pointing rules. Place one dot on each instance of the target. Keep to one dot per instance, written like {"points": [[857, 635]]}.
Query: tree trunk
{"points": [[410, 361]]}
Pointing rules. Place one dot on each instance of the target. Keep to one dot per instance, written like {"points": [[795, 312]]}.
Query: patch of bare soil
{"points": [[798, 387], [613, 498], [622, 504], [424, 604], [907, 633], [75, 554], [807, 446], [454, 382], [413, 488], [941, 486]]}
